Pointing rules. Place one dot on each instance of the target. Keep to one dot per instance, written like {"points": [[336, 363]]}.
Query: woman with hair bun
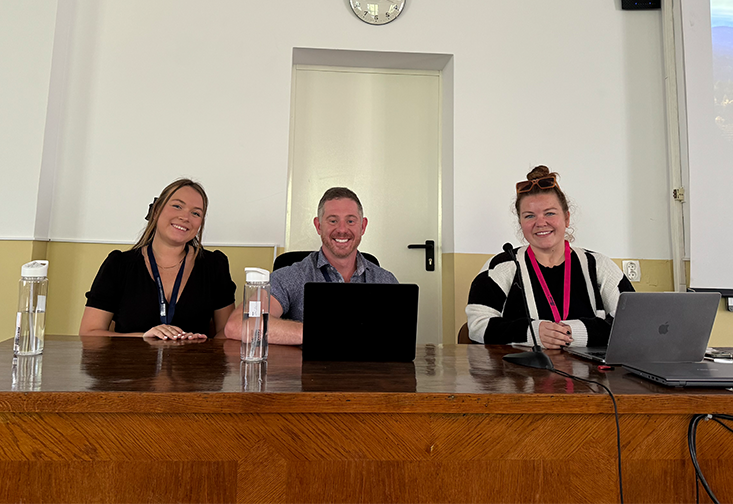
{"points": [[571, 292], [166, 286]]}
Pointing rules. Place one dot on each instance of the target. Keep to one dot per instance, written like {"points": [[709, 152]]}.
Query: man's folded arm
{"points": [[279, 331]]}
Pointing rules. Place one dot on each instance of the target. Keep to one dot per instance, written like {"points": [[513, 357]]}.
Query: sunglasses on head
{"points": [[547, 182]]}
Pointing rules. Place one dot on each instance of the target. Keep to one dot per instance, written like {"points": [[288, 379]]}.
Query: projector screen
{"points": [[707, 31]]}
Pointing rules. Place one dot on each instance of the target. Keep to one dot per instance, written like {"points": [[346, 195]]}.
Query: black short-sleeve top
{"points": [[124, 287]]}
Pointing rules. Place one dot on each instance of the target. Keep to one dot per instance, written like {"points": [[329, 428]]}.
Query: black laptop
{"points": [[657, 327], [360, 322]]}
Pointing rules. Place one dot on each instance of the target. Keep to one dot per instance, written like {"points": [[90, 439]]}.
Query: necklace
{"points": [[178, 263], [169, 267]]}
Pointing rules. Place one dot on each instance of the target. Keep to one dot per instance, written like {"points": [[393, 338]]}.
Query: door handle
{"points": [[429, 247]]}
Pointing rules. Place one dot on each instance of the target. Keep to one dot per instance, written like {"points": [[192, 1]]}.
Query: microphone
{"points": [[536, 358]]}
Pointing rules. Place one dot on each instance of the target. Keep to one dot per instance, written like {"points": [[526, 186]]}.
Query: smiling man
{"points": [[341, 224]]}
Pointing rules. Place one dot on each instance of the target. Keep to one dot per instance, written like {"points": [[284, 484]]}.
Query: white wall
{"points": [[26, 47], [162, 89]]}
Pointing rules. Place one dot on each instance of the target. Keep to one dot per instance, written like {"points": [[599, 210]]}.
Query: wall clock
{"points": [[377, 12]]}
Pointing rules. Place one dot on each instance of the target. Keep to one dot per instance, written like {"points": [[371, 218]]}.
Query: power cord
{"points": [[691, 438], [615, 413], [692, 443]]}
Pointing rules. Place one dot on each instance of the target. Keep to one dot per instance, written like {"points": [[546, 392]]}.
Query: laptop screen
{"points": [[360, 322]]}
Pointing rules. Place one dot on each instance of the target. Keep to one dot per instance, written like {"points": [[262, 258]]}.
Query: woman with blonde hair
{"points": [[571, 292], [167, 285]]}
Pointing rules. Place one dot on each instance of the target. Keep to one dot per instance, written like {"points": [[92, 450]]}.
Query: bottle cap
{"points": [[256, 275], [37, 269]]}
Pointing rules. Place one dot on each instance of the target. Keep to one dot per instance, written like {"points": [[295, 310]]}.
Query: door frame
{"points": [[393, 62]]}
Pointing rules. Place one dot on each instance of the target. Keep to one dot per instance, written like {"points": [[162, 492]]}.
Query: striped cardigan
{"points": [[496, 313]]}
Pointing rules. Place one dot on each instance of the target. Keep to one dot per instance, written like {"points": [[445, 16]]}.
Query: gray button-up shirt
{"points": [[288, 283]]}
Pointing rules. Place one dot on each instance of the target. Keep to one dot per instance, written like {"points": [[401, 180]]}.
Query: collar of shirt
{"points": [[361, 263]]}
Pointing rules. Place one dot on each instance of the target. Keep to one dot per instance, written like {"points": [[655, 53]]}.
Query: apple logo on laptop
{"points": [[664, 328]]}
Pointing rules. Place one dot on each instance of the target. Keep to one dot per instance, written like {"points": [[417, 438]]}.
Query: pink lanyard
{"points": [[546, 289]]}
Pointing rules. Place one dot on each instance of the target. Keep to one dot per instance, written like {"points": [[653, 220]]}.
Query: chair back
{"points": [[463, 338], [292, 257]]}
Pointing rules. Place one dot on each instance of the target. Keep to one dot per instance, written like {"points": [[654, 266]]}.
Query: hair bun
{"points": [[538, 172]]}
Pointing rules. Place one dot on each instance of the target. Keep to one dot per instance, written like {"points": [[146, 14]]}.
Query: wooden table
{"points": [[125, 420]]}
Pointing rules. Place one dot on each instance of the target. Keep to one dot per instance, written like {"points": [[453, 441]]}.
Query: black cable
{"points": [[721, 423], [692, 444], [618, 428]]}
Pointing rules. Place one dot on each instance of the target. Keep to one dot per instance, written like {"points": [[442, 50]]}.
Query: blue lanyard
{"points": [[167, 310], [324, 270]]}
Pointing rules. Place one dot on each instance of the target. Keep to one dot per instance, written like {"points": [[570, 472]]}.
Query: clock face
{"points": [[377, 12]]}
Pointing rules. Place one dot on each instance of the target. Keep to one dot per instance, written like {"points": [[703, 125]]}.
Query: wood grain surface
{"points": [[123, 420]]}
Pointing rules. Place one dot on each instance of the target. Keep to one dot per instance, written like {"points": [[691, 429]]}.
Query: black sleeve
{"points": [[223, 286], [502, 331], [625, 285], [504, 315], [107, 286], [598, 330]]}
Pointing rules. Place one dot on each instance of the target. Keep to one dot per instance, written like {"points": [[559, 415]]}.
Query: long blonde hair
{"points": [[149, 232]]}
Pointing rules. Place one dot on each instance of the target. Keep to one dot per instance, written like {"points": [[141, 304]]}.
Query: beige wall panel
{"points": [[39, 250], [244, 257], [13, 255], [449, 299], [656, 275], [722, 335], [466, 267], [71, 270]]}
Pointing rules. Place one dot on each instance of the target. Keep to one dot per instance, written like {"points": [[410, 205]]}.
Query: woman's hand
{"points": [[554, 335], [166, 332], [159, 343]]}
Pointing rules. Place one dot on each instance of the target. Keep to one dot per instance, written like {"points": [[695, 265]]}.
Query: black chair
{"points": [[288, 258]]}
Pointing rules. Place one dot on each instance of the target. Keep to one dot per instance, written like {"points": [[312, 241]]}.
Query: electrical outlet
{"points": [[632, 270]]}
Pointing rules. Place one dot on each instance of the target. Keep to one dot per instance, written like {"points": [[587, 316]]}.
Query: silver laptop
{"points": [[685, 374], [657, 327]]}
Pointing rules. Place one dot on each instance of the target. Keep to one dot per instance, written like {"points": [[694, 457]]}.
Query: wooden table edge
{"points": [[356, 402]]}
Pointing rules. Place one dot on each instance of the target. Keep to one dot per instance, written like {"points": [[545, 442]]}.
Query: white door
{"points": [[376, 132]]}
